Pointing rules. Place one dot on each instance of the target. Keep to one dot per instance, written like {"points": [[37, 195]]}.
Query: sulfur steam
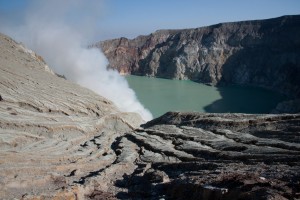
{"points": [[58, 30]]}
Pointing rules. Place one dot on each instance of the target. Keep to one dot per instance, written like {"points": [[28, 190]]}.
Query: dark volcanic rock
{"points": [[217, 156], [264, 53]]}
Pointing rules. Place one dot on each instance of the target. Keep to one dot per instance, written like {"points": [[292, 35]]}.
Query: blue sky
{"points": [[130, 18], [133, 17]]}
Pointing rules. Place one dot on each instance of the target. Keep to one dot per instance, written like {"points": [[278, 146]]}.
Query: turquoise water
{"points": [[163, 95]]}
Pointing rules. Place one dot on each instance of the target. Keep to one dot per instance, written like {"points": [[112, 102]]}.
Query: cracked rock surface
{"points": [[61, 141], [217, 156]]}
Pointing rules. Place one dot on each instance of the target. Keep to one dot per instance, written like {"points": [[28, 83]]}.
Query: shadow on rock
{"points": [[252, 100]]}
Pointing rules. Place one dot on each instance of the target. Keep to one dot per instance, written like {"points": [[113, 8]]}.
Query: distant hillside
{"points": [[264, 53]]}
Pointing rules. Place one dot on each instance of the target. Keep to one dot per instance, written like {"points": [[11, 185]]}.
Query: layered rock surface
{"points": [[262, 53], [54, 134], [61, 141], [216, 156]]}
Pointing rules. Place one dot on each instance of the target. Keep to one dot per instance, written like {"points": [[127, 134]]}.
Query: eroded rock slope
{"points": [[54, 134], [264, 53]]}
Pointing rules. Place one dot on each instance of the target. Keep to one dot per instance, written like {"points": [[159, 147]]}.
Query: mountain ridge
{"points": [[263, 53]]}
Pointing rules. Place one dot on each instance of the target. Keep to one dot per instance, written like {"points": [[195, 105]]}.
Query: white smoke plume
{"points": [[59, 31]]}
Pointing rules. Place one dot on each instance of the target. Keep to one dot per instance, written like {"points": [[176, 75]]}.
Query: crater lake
{"points": [[163, 95]]}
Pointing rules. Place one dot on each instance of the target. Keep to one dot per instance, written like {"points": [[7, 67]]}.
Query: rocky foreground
{"points": [[263, 53], [61, 141], [217, 156]]}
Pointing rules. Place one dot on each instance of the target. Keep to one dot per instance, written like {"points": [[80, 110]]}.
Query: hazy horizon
{"points": [[131, 18]]}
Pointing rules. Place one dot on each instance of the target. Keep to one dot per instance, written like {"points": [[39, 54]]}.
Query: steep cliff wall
{"points": [[264, 53]]}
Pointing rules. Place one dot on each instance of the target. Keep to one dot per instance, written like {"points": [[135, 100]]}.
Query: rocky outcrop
{"points": [[215, 156], [61, 141], [262, 53]]}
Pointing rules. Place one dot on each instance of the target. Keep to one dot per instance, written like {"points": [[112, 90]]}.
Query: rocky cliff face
{"points": [[264, 53], [61, 141]]}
